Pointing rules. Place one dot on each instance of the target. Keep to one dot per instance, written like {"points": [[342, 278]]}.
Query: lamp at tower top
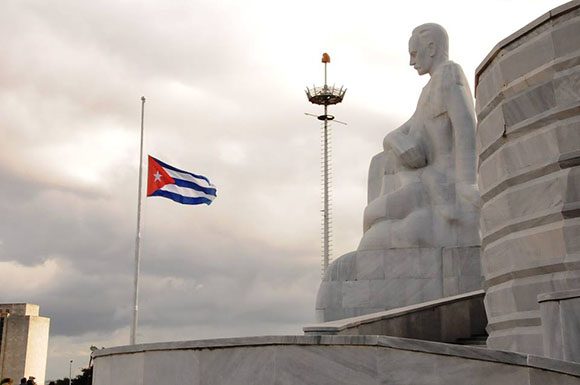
{"points": [[325, 95]]}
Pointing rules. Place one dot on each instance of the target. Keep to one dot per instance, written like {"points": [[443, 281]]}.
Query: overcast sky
{"points": [[224, 82]]}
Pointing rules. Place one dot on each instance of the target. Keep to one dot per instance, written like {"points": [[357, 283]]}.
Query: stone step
{"points": [[478, 340]]}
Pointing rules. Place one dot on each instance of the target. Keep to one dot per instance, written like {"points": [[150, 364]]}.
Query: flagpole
{"points": [[138, 237]]}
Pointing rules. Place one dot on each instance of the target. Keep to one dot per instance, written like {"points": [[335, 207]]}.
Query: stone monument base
{"points": [[323, 360], [364, 282]]}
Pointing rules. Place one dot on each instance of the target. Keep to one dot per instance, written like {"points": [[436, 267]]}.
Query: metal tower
{"points": [[325, 96]]}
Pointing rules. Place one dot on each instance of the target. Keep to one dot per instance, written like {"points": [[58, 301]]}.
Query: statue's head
{"points": [[428, 47]]}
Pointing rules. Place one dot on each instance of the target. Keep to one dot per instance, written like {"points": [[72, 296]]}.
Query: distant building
{"points": [[23, 341]]}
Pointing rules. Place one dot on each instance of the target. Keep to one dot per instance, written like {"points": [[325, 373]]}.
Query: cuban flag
{"points": [[181, 186]]}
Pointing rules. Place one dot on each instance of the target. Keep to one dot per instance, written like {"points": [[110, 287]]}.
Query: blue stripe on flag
{"points": [[165, 165], [182, 199], [195, 186]]}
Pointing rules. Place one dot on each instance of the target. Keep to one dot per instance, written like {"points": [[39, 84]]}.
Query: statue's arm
{"points": [[462, 116], [393, 138], [405, 146]]}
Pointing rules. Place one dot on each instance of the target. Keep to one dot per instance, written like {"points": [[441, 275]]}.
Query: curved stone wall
{"points": [[528, 141], [323, 360]]}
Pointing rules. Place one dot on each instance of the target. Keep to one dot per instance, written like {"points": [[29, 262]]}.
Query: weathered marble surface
{"points": [[324, 360], [366, 282], [560, 314], [528, 143]]}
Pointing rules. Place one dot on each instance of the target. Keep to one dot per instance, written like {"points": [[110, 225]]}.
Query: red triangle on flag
{"points": [[157, 177]]}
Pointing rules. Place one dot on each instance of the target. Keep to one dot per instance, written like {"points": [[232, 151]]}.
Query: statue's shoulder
{"points": [[452, 73], [445, 83], [377, 166]]}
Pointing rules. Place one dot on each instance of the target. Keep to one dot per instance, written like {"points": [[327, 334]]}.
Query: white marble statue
{"points": [[421, 225], [422, 190]]}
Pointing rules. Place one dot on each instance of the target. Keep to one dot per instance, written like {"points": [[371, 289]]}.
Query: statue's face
{"points": [[420, 55]]}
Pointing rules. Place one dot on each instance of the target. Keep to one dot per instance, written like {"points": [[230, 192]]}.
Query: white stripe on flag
{"points": [[180, 175], [186, 192]]}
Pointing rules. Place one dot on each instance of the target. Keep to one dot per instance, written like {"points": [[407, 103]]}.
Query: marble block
{"points": [[365, 282], [528, 143], [560, 312]]}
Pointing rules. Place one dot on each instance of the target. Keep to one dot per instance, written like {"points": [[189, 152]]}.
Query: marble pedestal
{"points": [[364, 282]]}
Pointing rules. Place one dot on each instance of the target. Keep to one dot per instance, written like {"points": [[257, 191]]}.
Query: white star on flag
{"points": [[157, 176]]}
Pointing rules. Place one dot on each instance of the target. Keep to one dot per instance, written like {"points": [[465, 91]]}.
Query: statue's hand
{"points": [[467, 199], [413, 157], [467, 196], [407, 148]]}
